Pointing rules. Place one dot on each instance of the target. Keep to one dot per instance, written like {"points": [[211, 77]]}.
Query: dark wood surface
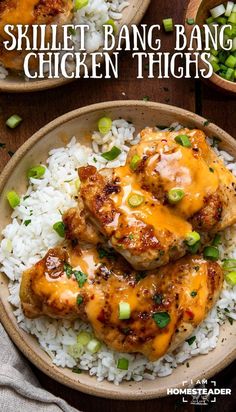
{"points": [[39, 108]]}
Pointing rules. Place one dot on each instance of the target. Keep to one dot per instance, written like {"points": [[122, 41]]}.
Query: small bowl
{"points": [[199, 11], [81, 123], [133, 14]]}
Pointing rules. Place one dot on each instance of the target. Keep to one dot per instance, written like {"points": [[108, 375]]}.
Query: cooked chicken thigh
{"points": [[28, 12], [165, 305], [132, 207]]}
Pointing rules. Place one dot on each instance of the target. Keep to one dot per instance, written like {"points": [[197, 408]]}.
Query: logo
{"points": [[200, 392]]}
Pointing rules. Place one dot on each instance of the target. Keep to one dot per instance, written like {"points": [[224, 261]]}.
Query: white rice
{"points": [[22, 246], [95, 14]]}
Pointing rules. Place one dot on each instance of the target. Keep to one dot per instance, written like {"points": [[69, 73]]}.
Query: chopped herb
{"points": [[211, 169], [80, 277], [59, 227], [216, 141], [79, 299], [158, 298], [193, 293], [162, 319], [2, 145], [75, 369], [72, 31], [95, 160], [25, 197], [68, 270], [131, 236], [206, 123], [27, 222], [140, 276], [191, 340], [102, 253]]}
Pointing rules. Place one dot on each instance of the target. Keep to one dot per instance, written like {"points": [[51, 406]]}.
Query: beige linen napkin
{"points": [[20, 390]]}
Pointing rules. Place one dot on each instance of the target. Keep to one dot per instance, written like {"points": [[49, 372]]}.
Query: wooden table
{"points": [[40, 108]]}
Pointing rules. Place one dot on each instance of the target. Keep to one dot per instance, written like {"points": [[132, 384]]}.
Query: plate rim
{"points": [[16, 333]]}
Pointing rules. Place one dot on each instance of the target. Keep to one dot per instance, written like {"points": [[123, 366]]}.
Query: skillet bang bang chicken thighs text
{"points": [[139, 261]]}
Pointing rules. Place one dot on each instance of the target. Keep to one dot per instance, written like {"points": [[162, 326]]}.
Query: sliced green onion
{"points": [[193, 249], [135, 200], [190, 21], [135, 162], [175, 195], [218, 11], [231, 278], [79, 4], [124, 310], [80, 277], [75, 351], [112, 154], [183, 139], [84, 338], [36, 172], [209, 20], [232, 18], [192, 238], [59, 227], [221, 20], [93, 346], [123, 364], [27, 222], [230, 62], [211, 253], [111, 23], [229, 8], [104, 125], [13, 121], [168, 25], [217, 240], [229, 264], [162, 319], [13, 199]]}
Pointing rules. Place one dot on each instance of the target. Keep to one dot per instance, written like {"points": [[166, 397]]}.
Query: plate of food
{"points": [[117, 256], [93, 13]]}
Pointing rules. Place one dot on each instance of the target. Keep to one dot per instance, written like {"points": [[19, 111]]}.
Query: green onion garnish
{"points": [[193, 249], [135, 162], [13, 199], [183, 139], [231, 278], [229, 264], [75, 351], [217, 240], [192, 238], [104, 125], [112, 154], [36, 172], [123, 364], [190, 22], [175, 195], [135, 200], [162, 319], [93, 346], [124, 310], [13, 121], [79, 299], [168, 25], [79, 4], [211, 253], [111, 23], [83, 338], [193, 293], [27, 222], [59, 227]]}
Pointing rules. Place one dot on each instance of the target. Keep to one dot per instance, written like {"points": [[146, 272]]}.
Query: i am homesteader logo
{"points": [[199, 392]]}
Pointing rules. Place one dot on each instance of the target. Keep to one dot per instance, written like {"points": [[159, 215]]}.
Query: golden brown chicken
{"points": [[135, 206], [28, 12], [165, 305]]}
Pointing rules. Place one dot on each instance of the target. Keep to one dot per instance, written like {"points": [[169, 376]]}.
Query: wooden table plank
{"points": [[39, 108]]}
